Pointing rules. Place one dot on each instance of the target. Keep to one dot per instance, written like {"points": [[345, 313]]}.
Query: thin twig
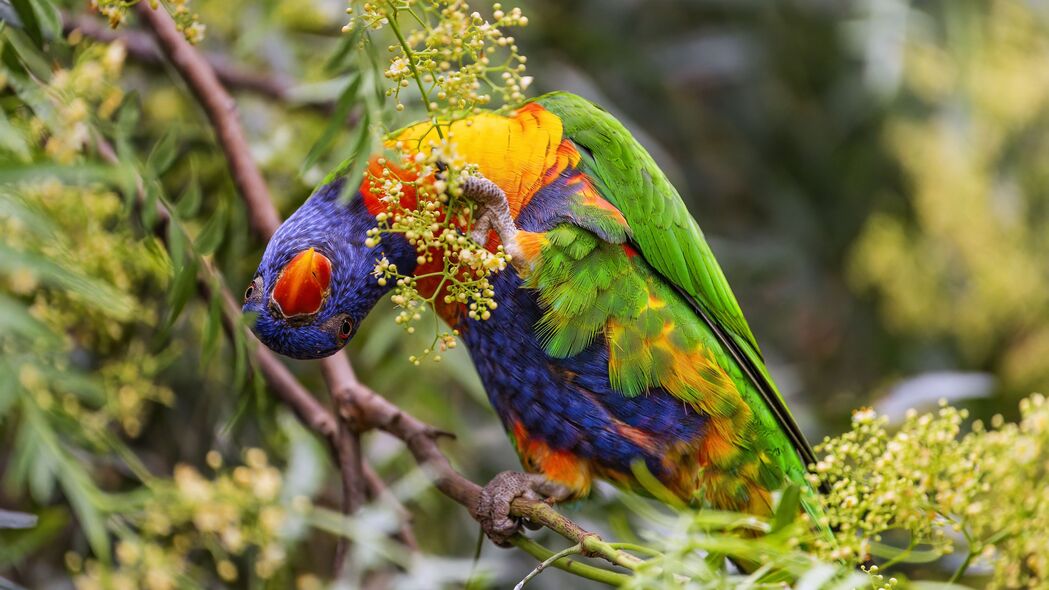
{"points": [[573, 550], [351, 464]]}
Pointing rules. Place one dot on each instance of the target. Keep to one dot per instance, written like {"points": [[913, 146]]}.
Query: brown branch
{"points": [[358, 407], [221, 110]]}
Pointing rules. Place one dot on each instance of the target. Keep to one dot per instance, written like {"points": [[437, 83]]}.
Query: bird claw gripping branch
{"points": [[493, 504], [492, 213]]}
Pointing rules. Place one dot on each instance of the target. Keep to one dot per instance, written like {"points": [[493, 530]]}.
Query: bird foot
{"points": [[492, 210], [493, 505]]}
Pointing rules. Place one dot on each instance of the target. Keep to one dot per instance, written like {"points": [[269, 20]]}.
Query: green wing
{"points": [[667, 236]]}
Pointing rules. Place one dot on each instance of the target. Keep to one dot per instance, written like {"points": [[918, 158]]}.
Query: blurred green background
{"points": [[870, 173]]}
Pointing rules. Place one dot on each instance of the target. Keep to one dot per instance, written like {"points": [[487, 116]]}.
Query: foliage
{"points": [[452, 54], [153, 457], [964, 262], [941, 486], [238, 512]]}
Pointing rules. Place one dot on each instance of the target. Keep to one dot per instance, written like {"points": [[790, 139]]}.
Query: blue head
{"points": [[314, 284]]}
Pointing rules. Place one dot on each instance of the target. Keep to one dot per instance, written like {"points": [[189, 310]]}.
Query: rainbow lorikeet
{"points": [[616, 342]]}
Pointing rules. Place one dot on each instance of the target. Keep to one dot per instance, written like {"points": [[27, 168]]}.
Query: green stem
{"points": [[410, 56], [591, 543], [958, 573], [573, 550], [636, 548], [571, 566]]}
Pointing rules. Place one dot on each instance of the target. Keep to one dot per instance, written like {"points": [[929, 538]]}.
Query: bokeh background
{"points": [[870, 173]]}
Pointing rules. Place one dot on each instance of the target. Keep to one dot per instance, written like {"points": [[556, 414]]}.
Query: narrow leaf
{"points": [[212, 325], [28, 52], [210, 236], [189, 203], [30, 24], [164, 152], [788, 509], [49, 17], [335, 123], [182, 289]]}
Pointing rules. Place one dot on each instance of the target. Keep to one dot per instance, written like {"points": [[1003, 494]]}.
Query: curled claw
{"points": [[493, 505], [492, 213]]}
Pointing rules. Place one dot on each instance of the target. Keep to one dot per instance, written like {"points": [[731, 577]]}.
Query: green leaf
{"points": [[359, 158], [360, 143], [127, 117], [41, 226], [176, 245], [26, 50], [8, 389], [189, 203], [83, 385], [91, 291], [151, 192], [12, 140], [77, 485], [789, 508], [30, 24], [181, 289], [210, 237], [78, 174], [241, 367], [213, 323], [49, 17], [164, 152], [335, 123], [344, 51], [817, 577]]}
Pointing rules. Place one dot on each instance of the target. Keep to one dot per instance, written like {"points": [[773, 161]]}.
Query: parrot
{"points": [[616, 350]]}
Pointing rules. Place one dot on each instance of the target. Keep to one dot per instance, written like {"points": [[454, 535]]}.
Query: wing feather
{"points": [[668, 237]]}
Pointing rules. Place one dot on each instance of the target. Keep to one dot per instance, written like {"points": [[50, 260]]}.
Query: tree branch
{"points": [[358, 406], [221, 110]]}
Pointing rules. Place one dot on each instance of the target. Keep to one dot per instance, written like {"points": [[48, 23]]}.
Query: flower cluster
{"points": [[61, 117], [78, 222], [187, 22], [237, 513], [984, 489], [455, 57], [457, 61], [452, 268], [909, 480]]}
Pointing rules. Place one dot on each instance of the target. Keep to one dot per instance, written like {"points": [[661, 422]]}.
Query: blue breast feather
{"points": [[567, 403]]}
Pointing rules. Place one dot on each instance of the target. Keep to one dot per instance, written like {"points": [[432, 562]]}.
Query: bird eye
{"points": [[253, 289], [345, 328]]}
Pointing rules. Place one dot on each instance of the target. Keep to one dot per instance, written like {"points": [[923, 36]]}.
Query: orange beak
{"points": [[303, 284]]}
